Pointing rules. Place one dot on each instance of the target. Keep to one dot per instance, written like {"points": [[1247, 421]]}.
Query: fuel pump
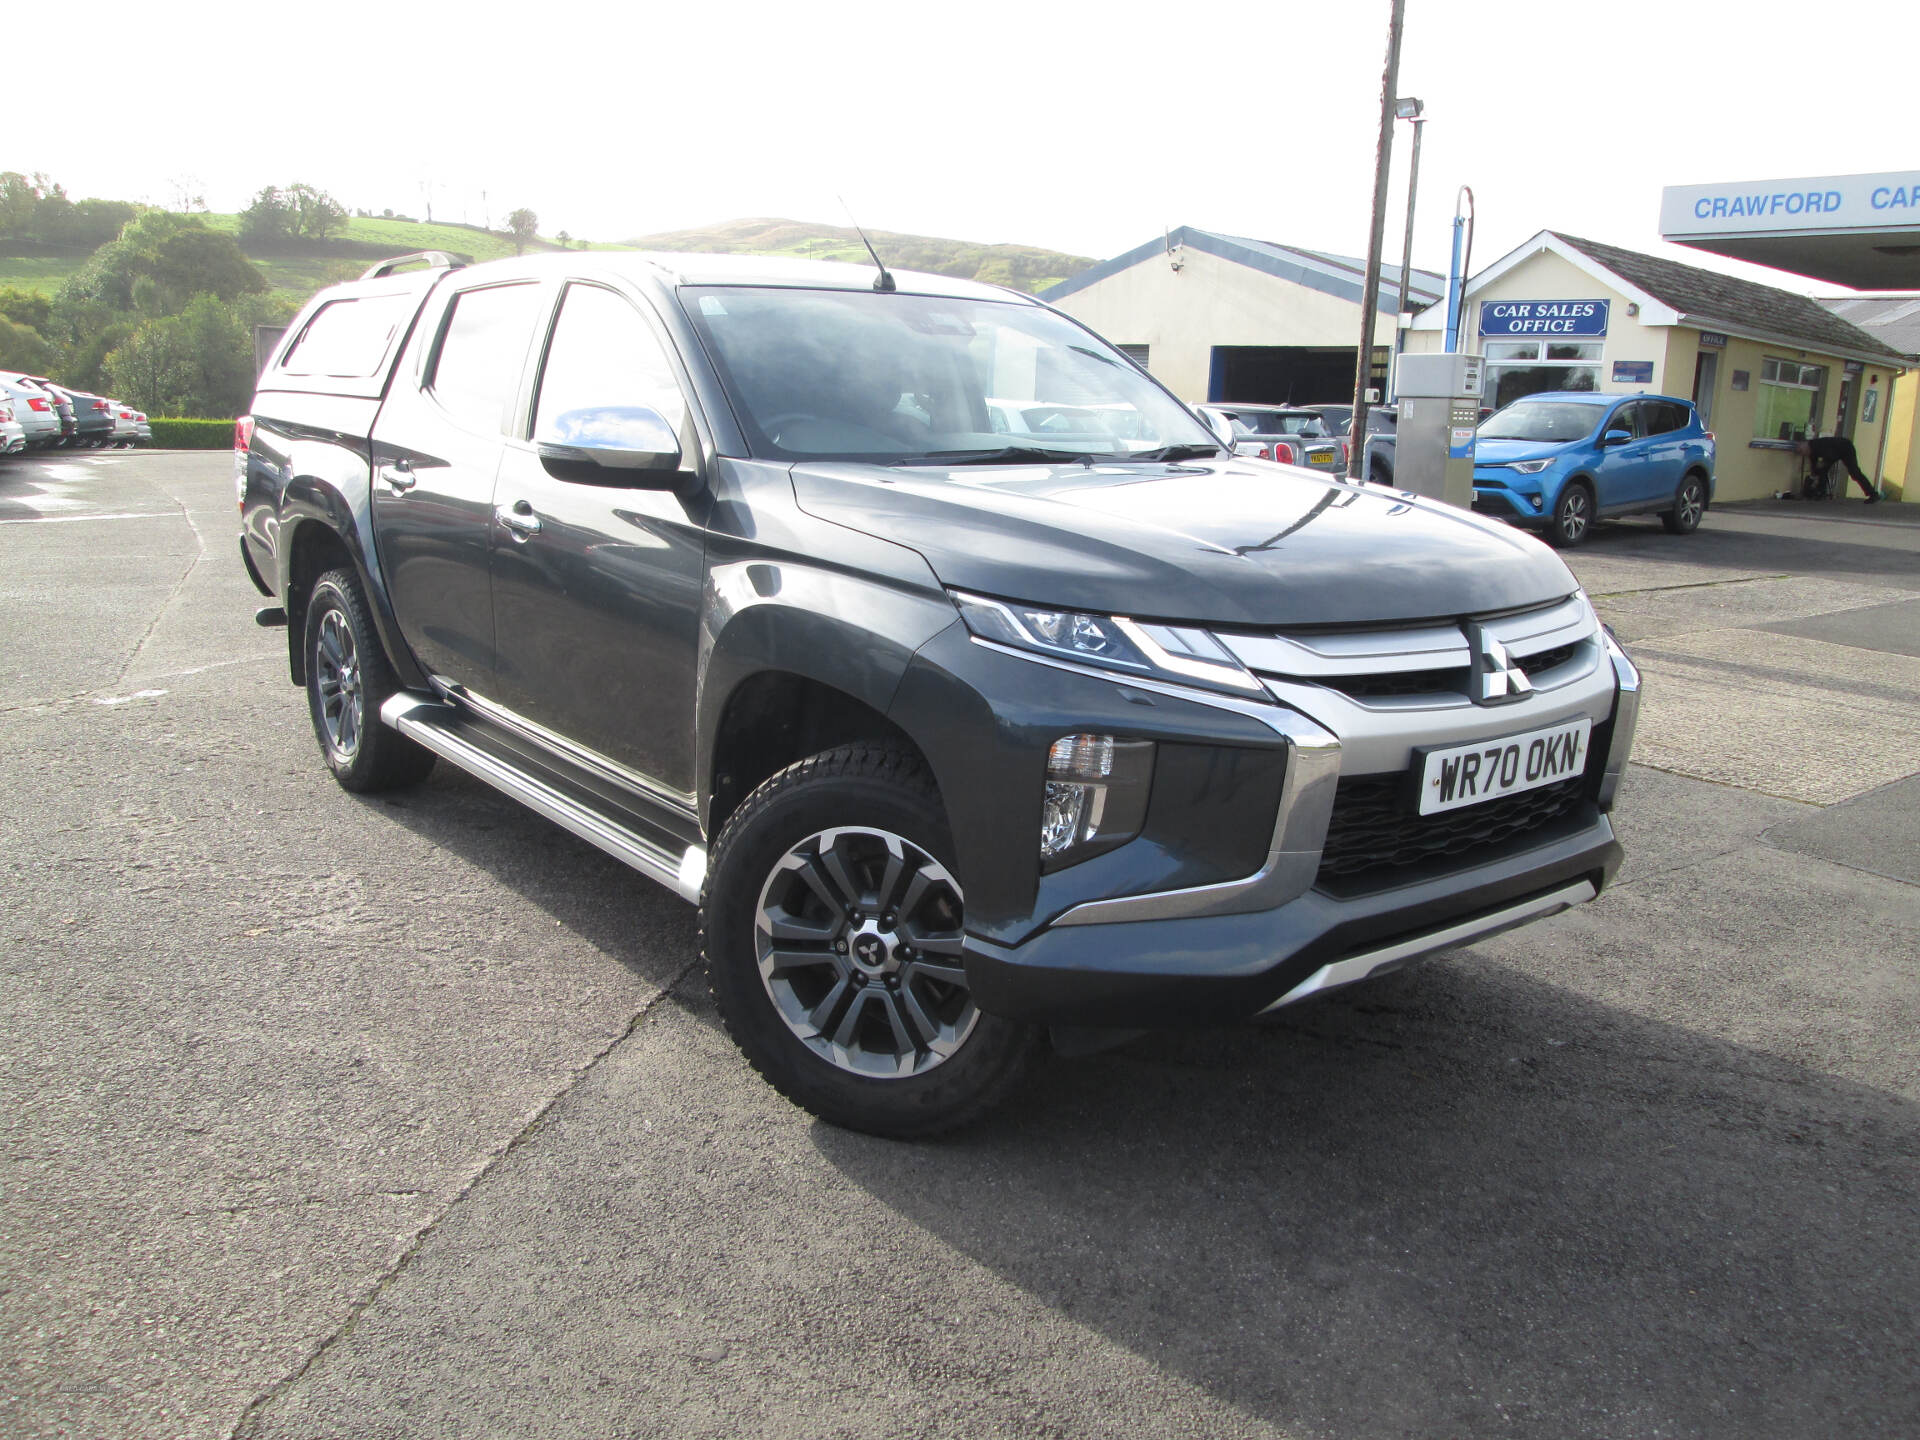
{"points": [[1439, 397]]}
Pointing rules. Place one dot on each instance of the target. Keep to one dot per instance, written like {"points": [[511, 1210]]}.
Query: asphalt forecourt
{"points": [[334, 1117]]}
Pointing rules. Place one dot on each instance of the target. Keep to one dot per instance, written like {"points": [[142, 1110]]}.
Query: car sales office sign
{"points": [[1517, 319]]}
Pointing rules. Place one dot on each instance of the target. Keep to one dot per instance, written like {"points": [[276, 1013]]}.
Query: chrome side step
{"points": [[1389, 957], [420, 720]]}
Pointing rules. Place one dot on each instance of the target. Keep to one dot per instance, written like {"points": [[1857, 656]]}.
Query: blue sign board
{"points": [[1633, 372], [1501, 319]]}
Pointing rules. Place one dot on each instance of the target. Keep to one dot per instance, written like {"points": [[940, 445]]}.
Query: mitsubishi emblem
{"points": [[1497, 679]]}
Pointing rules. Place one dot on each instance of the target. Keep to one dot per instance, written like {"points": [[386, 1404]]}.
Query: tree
{"points": [[199, 362], [199, 261], [22, 348], [316, 214], [18, 197], [268, 220], [566, 240], [523, 225]]}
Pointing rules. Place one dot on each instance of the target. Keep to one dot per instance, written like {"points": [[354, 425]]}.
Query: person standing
{"points": [[1823, 452]]}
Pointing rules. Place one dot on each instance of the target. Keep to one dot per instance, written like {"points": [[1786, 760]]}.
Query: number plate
{"points": [[1319, 457], [1469, 774]]}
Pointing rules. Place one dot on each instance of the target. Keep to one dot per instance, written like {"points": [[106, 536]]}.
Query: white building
{"points": [[1218, 317], [1763, 366]]}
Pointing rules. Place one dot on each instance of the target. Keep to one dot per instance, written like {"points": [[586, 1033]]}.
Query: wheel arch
{"points": [[776, 717], [802, 659], [308, 547]]}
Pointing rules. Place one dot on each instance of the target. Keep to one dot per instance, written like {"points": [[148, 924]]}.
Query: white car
{"points": [[13, 436], [34, 410], [126, 429]]}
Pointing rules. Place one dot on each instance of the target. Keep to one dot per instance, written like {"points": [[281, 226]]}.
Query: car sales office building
{"points": [[1764, 366]]}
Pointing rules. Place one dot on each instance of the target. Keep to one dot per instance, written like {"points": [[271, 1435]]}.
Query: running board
{"points": [[423, 721], [1391, 957]]}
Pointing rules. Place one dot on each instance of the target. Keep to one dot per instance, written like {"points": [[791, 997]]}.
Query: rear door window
{"points": [[1665, 417], [350, 338], [483, 349]]}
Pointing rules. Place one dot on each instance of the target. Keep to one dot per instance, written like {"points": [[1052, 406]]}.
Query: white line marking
{"points": [[64, 519], [137, 695]]}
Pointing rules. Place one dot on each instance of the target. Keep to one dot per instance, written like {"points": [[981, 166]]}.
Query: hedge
{"points": [[192, 434]]}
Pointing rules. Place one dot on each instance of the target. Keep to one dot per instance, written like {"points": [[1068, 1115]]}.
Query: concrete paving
{"points": [[326, 1117]]}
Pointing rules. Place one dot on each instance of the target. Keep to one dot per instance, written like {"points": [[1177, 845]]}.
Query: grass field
{"points": [[39, 274]]}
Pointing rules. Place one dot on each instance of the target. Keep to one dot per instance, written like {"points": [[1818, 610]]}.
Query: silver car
{"points": [[13, 437], [34, 410]]}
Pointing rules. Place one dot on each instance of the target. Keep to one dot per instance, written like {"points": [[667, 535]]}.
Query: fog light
{"points": [[1095, 796], [1063, 817]]}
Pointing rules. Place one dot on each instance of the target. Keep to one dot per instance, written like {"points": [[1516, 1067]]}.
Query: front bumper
{"points": [[1497, 492], [1147, 936]]}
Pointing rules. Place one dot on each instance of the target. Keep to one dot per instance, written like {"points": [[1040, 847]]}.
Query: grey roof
{"points": [[1740, 305], [1338, 275], [1895, 319], [754, 270]]}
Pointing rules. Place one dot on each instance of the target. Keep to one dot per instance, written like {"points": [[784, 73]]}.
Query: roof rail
{"points": [[435, 260]]}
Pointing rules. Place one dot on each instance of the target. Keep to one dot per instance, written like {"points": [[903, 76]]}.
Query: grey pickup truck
{"points": [[963, 735]]}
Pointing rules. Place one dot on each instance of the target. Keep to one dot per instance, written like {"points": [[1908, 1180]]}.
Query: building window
{"points": [[1135, 353], [1526, 367], [1789, 400]]}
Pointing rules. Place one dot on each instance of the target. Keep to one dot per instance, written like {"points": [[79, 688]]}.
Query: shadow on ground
{"points": [[1458, 1202], [1861, 552], [649, 930]]}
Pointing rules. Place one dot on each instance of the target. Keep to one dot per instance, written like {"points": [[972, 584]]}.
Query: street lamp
{"points": [[1407, 108]]}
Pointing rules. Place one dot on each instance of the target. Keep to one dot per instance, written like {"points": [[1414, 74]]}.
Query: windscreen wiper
{"points": [[1176, 452], [1006, 455]]}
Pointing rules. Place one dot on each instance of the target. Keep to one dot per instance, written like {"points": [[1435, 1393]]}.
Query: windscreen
{"points": [[894, 378], [1543, 421]]}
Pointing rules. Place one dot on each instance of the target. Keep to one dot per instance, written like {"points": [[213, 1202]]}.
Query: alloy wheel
{"points": [[1693, 504], [336, 669], [1573, 515], [858, 939]]}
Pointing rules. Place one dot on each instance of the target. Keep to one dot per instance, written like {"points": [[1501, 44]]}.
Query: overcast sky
{"points": [[1080, 127]]}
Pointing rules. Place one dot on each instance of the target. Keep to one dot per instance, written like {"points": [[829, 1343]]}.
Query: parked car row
{"points": [[48, 414]]}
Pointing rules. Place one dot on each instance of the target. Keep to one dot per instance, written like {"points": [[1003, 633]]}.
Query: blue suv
{"points": [[1559, 460]]}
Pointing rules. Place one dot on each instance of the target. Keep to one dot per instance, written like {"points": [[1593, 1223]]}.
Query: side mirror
{"points": [[1221, 427], [626, 445], [1615, 437]]}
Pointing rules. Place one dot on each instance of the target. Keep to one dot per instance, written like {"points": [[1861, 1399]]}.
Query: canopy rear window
{"points": [[349, 338]]}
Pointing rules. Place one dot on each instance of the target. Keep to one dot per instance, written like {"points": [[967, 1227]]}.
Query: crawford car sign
{"points": [[1502, 318], [1829, 203]]}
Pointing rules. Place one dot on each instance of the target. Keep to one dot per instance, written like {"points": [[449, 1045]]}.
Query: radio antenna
{"points": [[882, 282]]}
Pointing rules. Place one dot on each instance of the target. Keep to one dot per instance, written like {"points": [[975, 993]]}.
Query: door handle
{"points": [[520, 519], [398, 477]]}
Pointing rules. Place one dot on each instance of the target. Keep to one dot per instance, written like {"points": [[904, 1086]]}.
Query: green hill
{"points": [[1022, 267], [297, 270]]}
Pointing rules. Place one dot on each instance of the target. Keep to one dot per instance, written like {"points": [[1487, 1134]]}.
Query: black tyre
{"points": [[1689, 506], [1382, 473], [1572, 518], [831, 927], [348, 680]]}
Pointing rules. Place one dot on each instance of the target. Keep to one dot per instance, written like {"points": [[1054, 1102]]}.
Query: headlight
{"points": [[1172, 652], [1531, 467]]}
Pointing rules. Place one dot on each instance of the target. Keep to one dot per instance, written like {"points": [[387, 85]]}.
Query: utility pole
{"points": [[1376, 238], [1408, 109]]}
